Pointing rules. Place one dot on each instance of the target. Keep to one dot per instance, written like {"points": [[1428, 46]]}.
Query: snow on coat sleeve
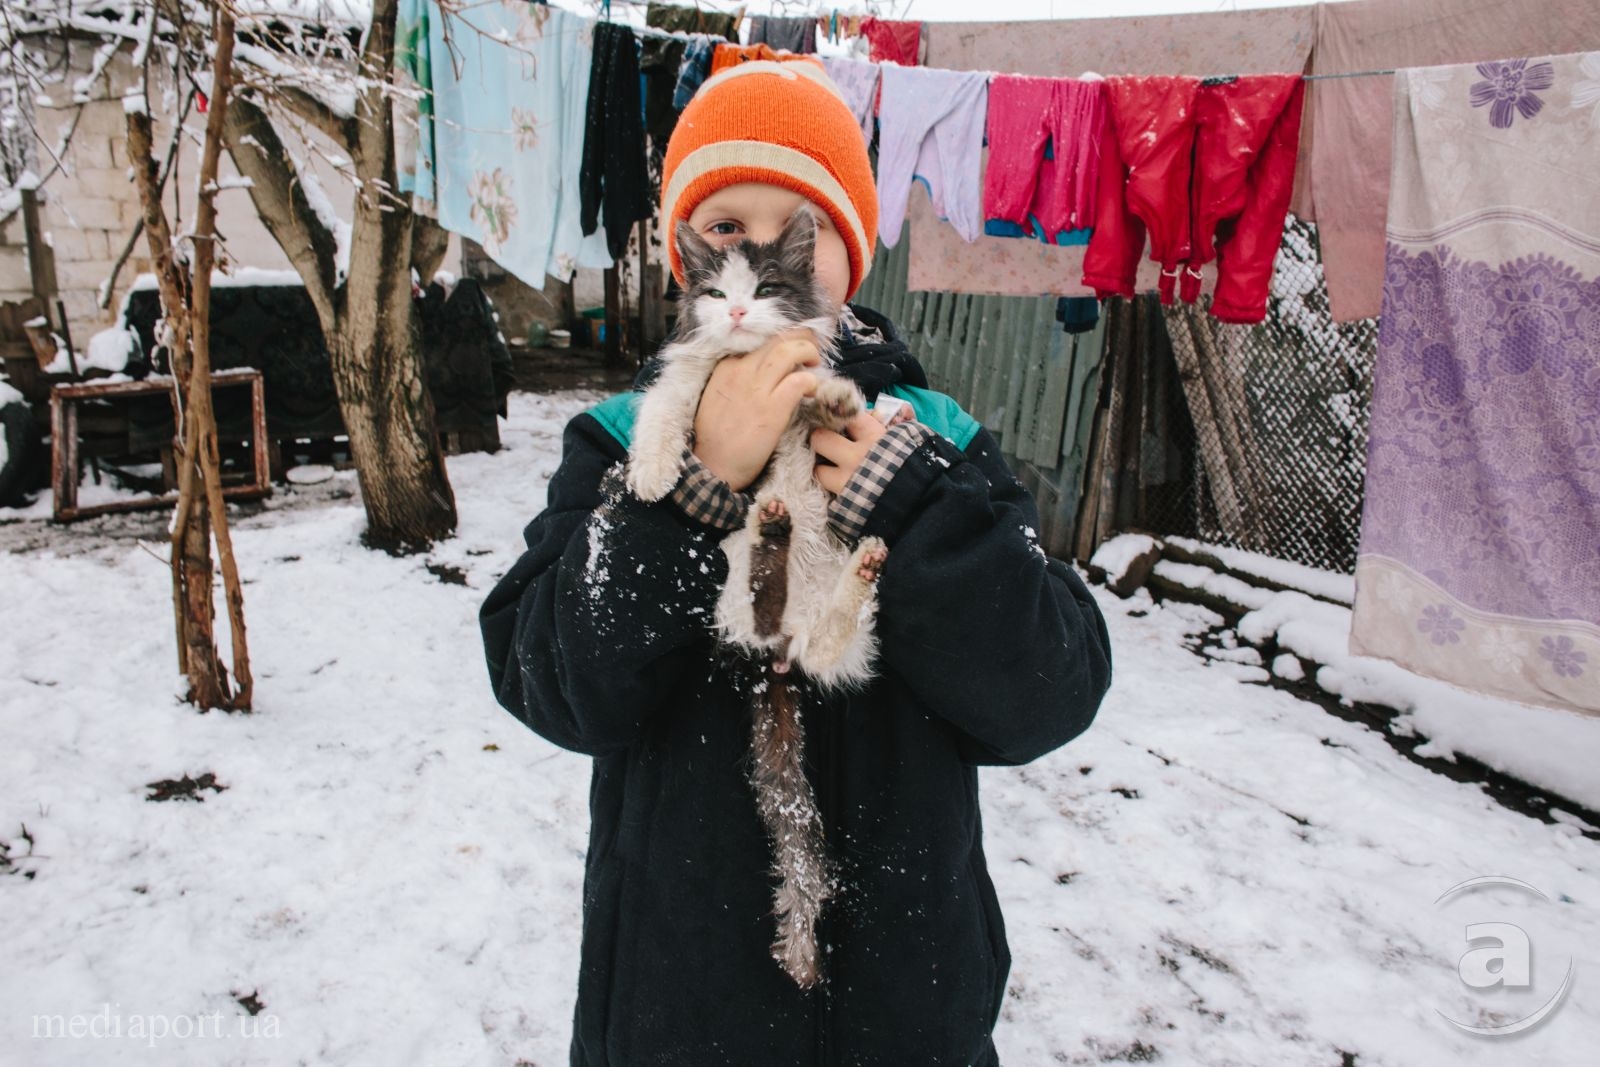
{"points": [[989, 633], [589, 631]]}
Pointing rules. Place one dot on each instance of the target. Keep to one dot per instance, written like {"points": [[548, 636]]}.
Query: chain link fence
{"points": [[1280, 415], [1163, 419]]}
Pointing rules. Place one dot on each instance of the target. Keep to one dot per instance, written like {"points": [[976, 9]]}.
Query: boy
{"points": [[599, 639]]}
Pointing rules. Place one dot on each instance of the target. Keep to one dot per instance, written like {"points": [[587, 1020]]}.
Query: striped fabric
{"points": [[707, 499], [848, 513]]}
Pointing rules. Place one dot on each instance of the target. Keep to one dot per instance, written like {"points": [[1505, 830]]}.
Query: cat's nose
{"points": [[736, 314]]}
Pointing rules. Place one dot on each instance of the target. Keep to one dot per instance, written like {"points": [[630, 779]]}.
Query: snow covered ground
{"points": [[1215, 873]]}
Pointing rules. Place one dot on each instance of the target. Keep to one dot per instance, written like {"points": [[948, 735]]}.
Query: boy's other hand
{"points": [[748, 403], [844, 450]]}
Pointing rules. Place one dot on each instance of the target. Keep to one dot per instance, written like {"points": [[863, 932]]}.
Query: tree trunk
{"points": [[368, 319], [197, 380], [194, 617], [376, 341], [389, 415]]}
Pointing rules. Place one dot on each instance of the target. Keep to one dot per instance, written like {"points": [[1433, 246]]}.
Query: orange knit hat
{"points": [[785, 124]]}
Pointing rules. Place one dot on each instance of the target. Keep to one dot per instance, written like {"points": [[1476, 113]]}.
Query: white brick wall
{"points": [[91, 206]]}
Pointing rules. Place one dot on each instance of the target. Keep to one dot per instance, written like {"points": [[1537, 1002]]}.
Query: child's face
{"points": [[758, 212]]}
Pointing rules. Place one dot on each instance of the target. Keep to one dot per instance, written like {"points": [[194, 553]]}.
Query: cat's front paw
{"points": [[838, 400], [651, 475]]}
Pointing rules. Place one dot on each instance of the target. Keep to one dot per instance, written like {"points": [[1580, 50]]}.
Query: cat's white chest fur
{"points": [[830, 601]]}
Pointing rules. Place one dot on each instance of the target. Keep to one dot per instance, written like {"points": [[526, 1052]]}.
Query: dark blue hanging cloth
{"points": [[613, 182]]}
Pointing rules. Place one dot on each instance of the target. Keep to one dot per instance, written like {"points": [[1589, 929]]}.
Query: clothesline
{"points": [[1347, 74], [651, 31]]}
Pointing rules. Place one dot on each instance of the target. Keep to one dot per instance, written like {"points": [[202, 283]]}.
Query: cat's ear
{"points": [[695, 251], [797, 244]]}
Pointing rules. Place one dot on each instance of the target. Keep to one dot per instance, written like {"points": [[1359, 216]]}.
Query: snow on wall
{"points": [[1329, 585], [1116, 553]]}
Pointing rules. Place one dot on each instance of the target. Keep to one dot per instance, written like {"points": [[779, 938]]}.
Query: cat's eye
{"points": [[766, 290], [716, 294]]}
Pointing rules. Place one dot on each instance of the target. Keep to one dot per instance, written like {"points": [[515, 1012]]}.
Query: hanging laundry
{"points": [[661, 62], [1247, 133], [1145, 163], [731, 55], [930, 127], [1034, 230], [858, 82], [694, 70], [1479, 560], [1346, 186], [1077, 314], [501, 133], [613, 176], [790, 35], [675, 18], [1044, 145], [893, 42], [1001, 266], [1254, 41]]}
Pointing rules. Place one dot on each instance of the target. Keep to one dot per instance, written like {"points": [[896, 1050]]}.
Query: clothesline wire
{"points": [[652, 31], [1347, 74]]}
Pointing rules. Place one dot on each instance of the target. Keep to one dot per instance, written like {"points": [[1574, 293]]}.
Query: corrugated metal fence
{"points": [[1007, 361]]}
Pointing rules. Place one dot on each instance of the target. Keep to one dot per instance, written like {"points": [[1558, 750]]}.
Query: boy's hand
{"points": [[846, 450], [748, 403]]}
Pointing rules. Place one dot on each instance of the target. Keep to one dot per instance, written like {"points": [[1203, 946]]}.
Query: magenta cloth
{"points": [[1480, 527], [1346, 187], [1026, 115], [930, 126], [893, 42]]}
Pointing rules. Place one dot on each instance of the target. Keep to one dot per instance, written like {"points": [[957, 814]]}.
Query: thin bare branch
{"points": [[339, 128], [275, 188]]}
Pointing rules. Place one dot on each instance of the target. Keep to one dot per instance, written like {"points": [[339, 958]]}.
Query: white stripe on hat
{"points": [[799, 68], [776, 157]]}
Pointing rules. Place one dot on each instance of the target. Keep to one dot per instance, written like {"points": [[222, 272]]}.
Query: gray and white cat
{"points": [[795, 595]]}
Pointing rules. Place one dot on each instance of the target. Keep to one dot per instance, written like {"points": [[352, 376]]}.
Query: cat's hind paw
{"points": [[870, 556], [772, 518]]}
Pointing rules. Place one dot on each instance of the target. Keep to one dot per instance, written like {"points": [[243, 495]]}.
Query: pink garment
{"points": [[1346, 187], [894, 42], [1026, 114]]}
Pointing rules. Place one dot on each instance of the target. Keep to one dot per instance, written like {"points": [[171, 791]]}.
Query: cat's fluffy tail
{"points": [[789, 811]]}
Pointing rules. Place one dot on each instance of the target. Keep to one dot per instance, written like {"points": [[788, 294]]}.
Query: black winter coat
{"points": [[599, 640]]}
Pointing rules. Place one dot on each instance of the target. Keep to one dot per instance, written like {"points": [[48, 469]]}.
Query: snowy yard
{"points": [[387, 866]]}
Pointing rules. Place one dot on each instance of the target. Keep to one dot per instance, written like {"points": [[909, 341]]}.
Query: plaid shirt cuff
{"points": [[707, 499], [848, 513]]}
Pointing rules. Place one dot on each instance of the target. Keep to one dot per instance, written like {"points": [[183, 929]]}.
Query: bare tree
{"points": [[297, 83], [368, 317], [185, 287]]}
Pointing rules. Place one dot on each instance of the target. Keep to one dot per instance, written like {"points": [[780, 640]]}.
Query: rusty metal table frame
{"points": [[64, 464]]}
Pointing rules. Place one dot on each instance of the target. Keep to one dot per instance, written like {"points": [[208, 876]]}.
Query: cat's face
{"points": [[740, 295]]}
